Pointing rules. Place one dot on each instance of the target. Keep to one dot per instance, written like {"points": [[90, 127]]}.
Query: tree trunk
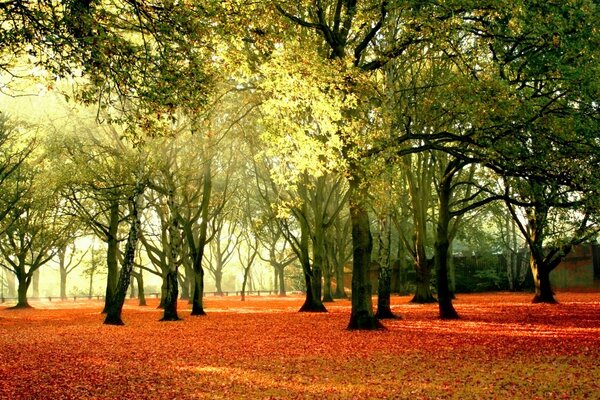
{"points": [[384, 287], [198, 293], [187, 283], [281, 282], [218, 282], [163, 291], [172, 286], [541, 279], [132, 288], [442, 244], [63, 283], [245, 282], [361, 316], [340, 292], [23, 282], [423, 292], [172, 292], [198, 252], [318, 248], [113, 313], [91, 287], [141, 293], [112, 249], [35, 283], [313, 301], [327, 292], [451, 273], [384, 311]]}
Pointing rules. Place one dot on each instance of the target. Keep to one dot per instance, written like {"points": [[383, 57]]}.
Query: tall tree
{"points": [[37, 227], [552, 219], [68, 260], [115, 306]]}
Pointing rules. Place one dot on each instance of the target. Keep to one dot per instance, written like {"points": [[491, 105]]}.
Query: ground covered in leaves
{"points": [[503, 347]]}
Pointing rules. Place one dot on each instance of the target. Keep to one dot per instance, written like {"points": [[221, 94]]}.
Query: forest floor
{"points": [[502, 347]]}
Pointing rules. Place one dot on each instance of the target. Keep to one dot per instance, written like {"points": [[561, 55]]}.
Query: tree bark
{"points": [[340, 292], [384, 310], [35, 283], [112, 249], [281, 281], [318, 260], [198, 292], [543, 288], [115, 307], [327, 292], [384, 287], [23, 282], [218, 282], [63, 282], [313, 301], [172, 292], [361, 316], [423, 293], [198, 254], [172, 286], [442, 244], [541, 279], [139, 276], [163, 291]]}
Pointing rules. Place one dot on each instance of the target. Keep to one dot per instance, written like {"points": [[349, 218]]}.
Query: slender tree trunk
{"points": [[198, 293], [384, 310], [132, 287], [384, 287], [245, 282], [317, 266], [185, 288], [361, 316], [63, 283], [141, 293], [451, 273], [313, 301], [112, 249], [281, 280], [115, 308], [340, 292], [172, 286], [91, 287], [187, 283], [219, 282], [35, 283], [327, 292]]}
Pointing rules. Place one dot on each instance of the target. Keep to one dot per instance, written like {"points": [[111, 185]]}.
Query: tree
{"points": [[115, 306], [37, 226], [66, 265], [13, 153], [552, 219], [541, 136], [226, 240]]}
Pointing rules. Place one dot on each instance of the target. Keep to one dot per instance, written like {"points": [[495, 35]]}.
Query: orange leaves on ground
{"points": [[503, 347]]}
